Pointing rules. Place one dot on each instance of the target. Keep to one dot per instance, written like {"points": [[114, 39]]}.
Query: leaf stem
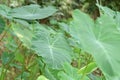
{"points": [[82, 78], [99, 3]]}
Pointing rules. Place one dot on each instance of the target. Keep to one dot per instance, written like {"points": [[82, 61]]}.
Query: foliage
{"points": [[74, 50]]}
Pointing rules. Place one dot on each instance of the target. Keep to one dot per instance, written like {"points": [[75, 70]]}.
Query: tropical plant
{"points": [[35, 51]]}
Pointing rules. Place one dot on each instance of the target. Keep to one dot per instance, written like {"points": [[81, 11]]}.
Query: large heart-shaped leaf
{"points": [[101, 39], [51, 46], [31, 12]]}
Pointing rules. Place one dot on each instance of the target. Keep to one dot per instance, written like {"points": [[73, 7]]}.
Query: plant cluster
{"points": [[78, 49]]}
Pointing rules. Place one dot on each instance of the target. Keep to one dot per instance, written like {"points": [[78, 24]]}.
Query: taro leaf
{"points": [[101, 39], [2, 25], [31, 12], [5, 11], [52, 46], [70, 73]]}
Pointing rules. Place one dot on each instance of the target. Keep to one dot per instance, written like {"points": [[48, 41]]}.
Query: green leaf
{"points": [[2, 25], [101, 39], [32, 12], [29, 12], [70, 73], [52, 46], [88, 68]]}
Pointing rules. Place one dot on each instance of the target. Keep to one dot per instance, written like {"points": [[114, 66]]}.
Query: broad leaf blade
{"points": [[52, 47], [32, 12], [102, 40]]}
